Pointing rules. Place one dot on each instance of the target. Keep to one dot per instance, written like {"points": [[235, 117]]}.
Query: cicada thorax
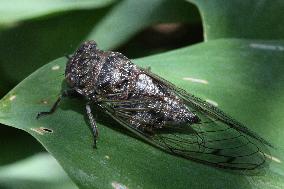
{"points": [[116, 76]]}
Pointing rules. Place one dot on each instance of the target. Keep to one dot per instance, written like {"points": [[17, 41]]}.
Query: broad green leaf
{"points": [[243, 77], [250, 19], [18, 10], [38, 171], [129, 17]]}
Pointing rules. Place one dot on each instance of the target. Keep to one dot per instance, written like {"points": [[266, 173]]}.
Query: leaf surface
{"points": [[243, 77], [250, 19]]}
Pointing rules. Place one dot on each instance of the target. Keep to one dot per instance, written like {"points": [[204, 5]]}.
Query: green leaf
{"points": [[244, 77], [17, 10], [250, 19], [39, 171], [129, 17]]}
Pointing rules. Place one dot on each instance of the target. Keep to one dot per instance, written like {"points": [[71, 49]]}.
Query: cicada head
{"points": [[81, 68]]}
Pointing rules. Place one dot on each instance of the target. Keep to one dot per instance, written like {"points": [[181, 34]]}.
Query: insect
{"points": [[158, 111]]}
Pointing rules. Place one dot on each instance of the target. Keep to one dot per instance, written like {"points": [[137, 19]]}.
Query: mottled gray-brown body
{"points": [[97, 74]]}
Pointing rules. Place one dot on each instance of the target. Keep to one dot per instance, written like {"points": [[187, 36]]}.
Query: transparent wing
{"points": [[222, 140], [213, 142]]}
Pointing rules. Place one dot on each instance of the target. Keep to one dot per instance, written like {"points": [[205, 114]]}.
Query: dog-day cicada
{"points": [[158, 111]]}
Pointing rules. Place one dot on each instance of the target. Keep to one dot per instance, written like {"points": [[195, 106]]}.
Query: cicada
{"points": [[159, 112]]}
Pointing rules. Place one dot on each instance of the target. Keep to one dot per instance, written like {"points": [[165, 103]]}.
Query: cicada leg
{"points": [[92, 123], [66, 93]]}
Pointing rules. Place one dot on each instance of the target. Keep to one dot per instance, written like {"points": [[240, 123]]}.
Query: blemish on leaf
{"points": [[117, 185], [107, 157], [212, 102], [42, 130], [273, 158], [12, 97], [267, 47], [195, 80], [44, 101], [47, 130], [55, 67], [37, 130]]}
